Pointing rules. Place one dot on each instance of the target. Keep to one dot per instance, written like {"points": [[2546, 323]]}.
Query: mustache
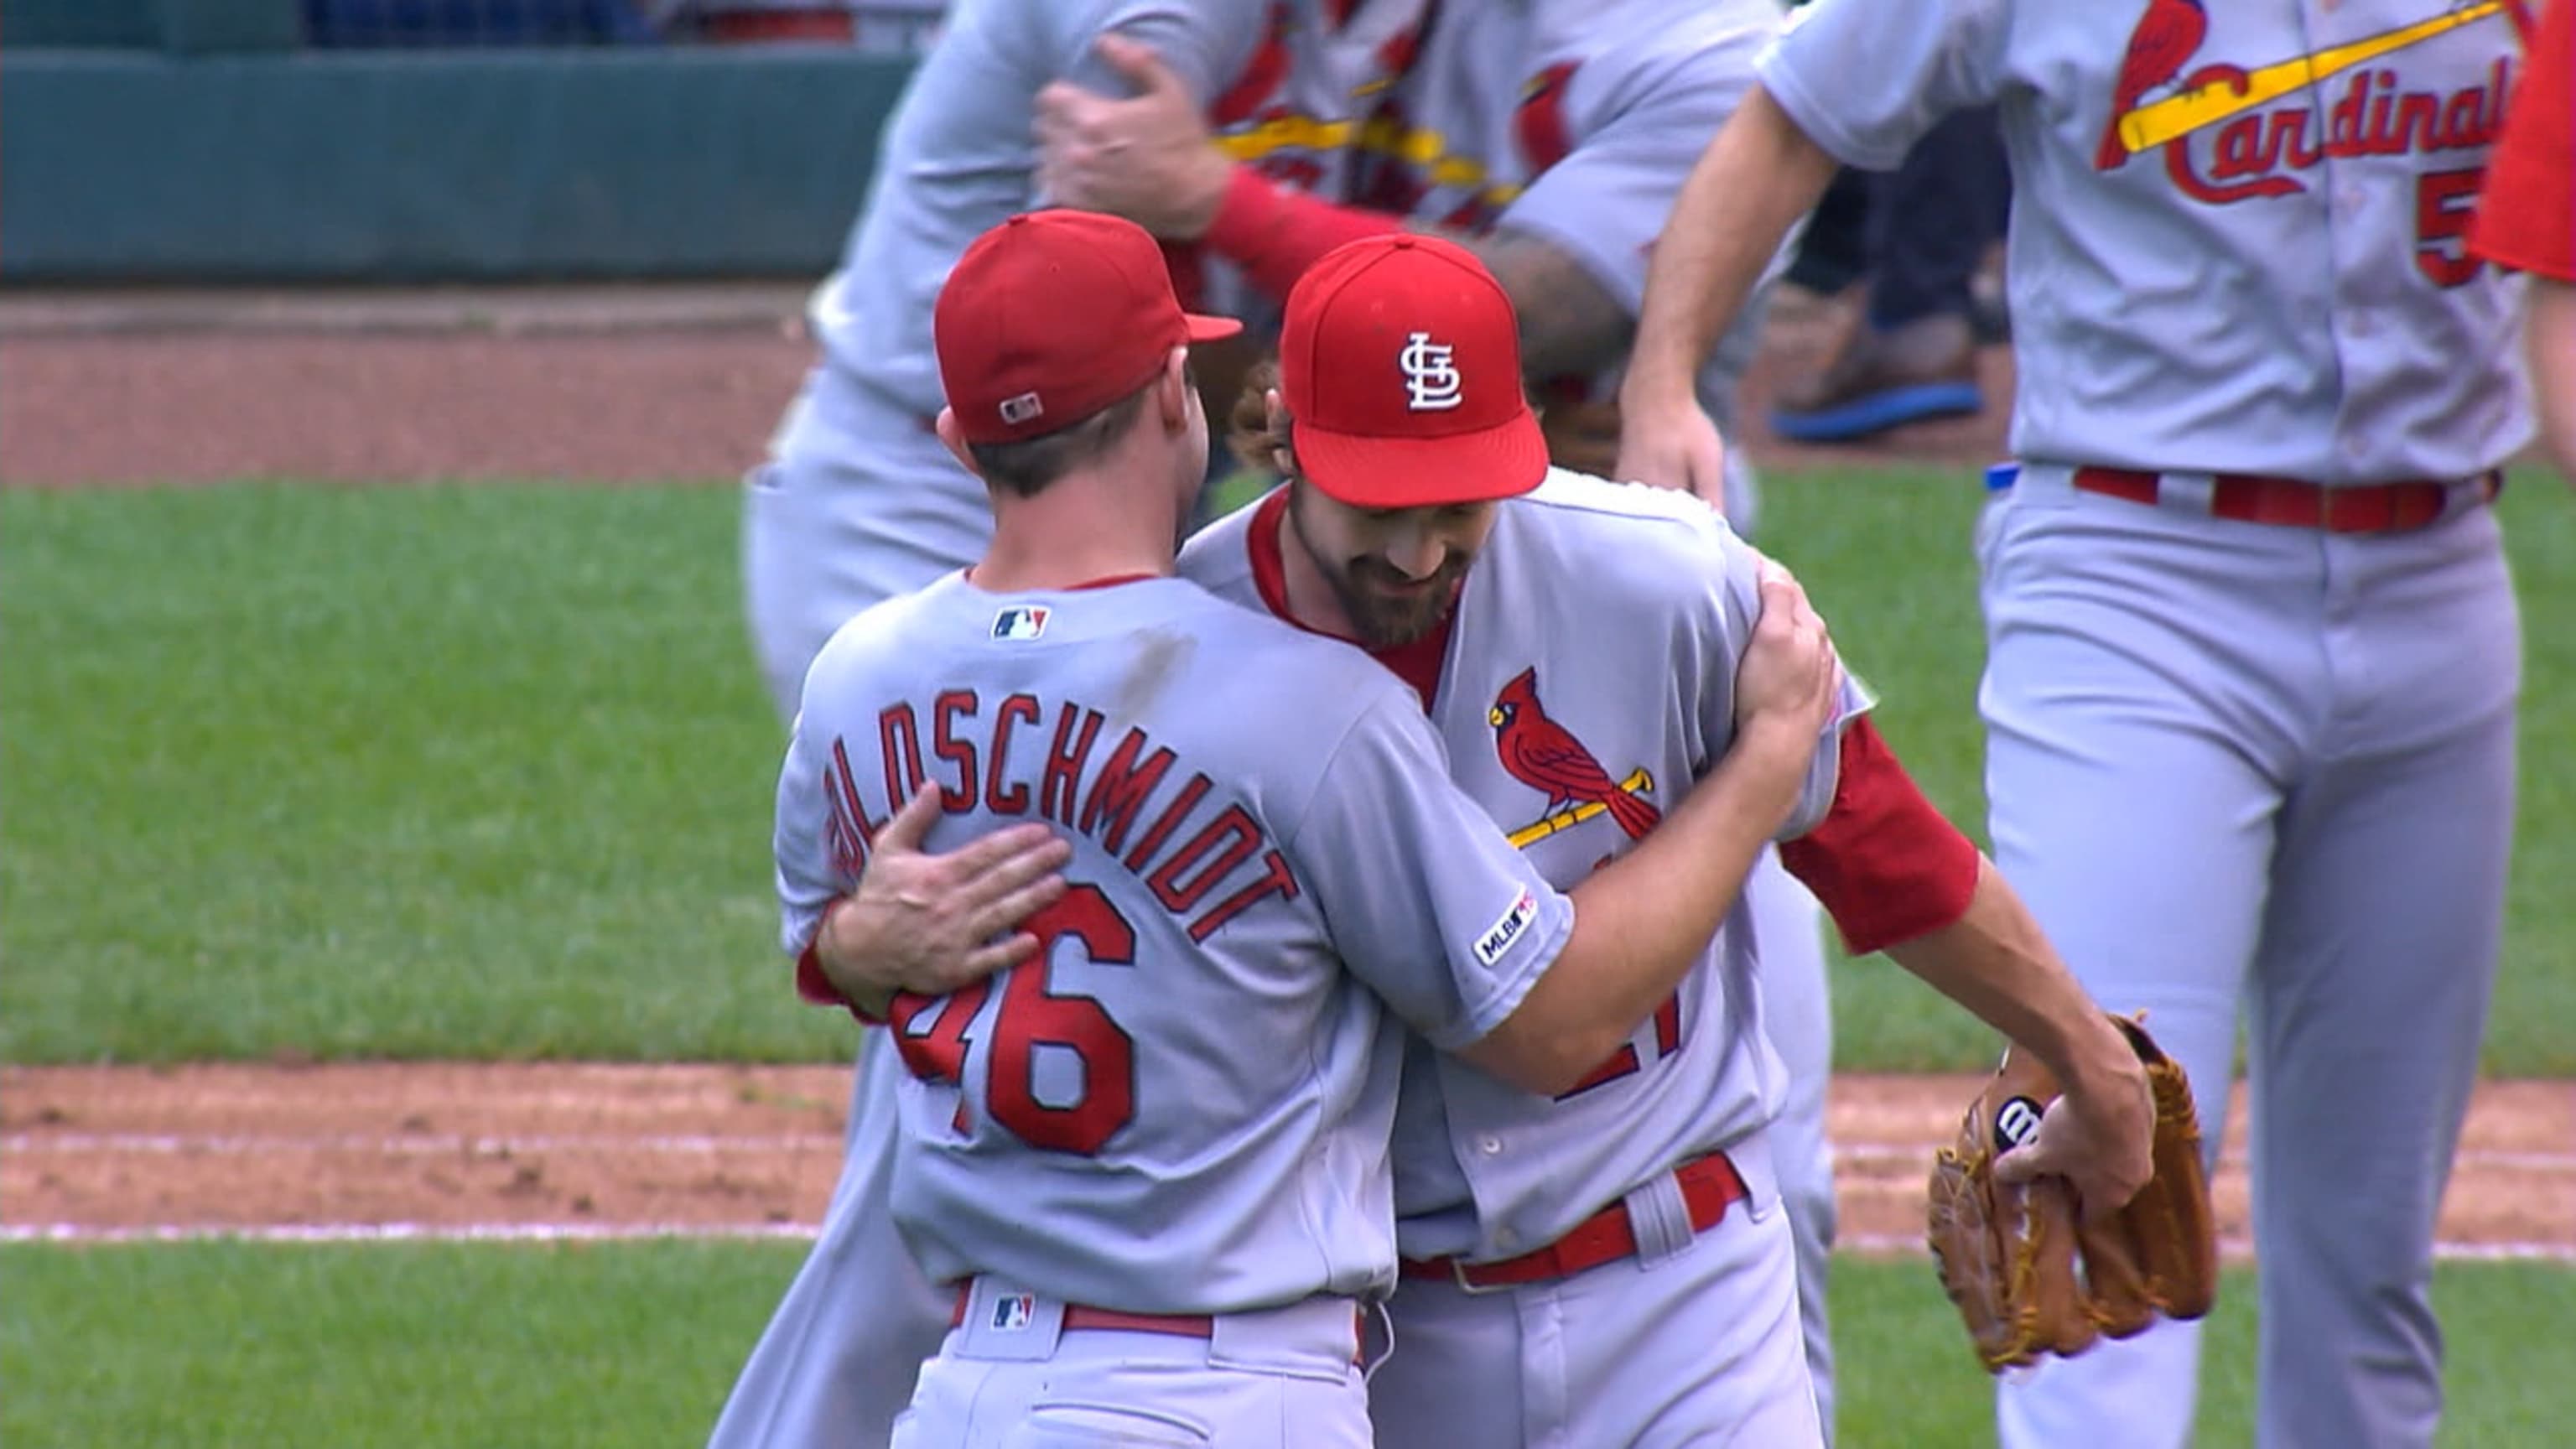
{"points": [[1377, 570]]}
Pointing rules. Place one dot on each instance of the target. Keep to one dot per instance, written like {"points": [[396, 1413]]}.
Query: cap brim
{"points": [[1503, 461], [1210, 329]]}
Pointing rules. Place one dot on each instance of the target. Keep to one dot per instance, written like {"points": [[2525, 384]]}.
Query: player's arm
{"points": [[1433, 909], [1850, 82], [813, 859], [1755, 180], [1896, 876]]}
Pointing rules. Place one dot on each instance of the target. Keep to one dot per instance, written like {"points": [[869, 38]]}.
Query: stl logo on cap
{"points": [[1430, 379]]}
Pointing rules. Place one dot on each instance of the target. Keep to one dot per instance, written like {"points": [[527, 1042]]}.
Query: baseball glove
{"points": [[2029, 1275]]}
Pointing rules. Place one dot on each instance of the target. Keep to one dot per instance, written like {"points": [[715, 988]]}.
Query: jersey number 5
{"points": [[2445, 203], [1033, 1015]]}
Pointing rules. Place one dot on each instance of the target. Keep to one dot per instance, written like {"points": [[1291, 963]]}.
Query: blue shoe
{"points": [[1926, 368]]}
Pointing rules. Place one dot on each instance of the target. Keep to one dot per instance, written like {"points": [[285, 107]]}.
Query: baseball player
{"points": [[1548, 137], [2252, 652], [2527, 220], [1563, 130], [1152, 1158], [1605, 1265]]}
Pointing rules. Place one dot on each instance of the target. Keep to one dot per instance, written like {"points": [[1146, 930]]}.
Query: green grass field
{"points": [[484, 773], [470, 772], [631, 1345]]}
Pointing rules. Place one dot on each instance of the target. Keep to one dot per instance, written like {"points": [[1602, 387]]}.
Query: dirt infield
{"points": [[483, 1150], [376, 389], [672, 385]]}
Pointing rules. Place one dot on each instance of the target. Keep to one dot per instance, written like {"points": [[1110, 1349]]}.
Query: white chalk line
{"points": [[1867, 1244], [406, 1145], [401, 1232], [452, 1144], [2241, 1250], [1874, 1152]]}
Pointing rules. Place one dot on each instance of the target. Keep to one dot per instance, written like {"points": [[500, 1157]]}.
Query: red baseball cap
{"points": [[1400, 362], [1052, 316]]}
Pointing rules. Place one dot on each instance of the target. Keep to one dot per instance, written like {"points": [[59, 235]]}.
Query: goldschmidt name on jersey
{"points": [[1205, 860]]}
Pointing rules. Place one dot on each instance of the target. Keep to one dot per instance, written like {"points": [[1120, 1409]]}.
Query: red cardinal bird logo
{"points": [[1540, 753], [2166, 36], [1539, 122]]}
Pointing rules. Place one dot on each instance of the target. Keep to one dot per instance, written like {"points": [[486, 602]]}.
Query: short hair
{"points": [[1027, 466]]}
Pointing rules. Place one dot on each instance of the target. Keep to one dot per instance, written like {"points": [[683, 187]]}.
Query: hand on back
{"points": [[1671, 445], [1146, 157], [929, 924]]}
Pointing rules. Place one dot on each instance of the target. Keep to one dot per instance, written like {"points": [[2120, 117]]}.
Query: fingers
{"points": [[1137, 62], [910, 824], [1025, 849], [1007, 911], [2019, 1165], [1673, 449], [1001, 955], [2103, 1185], [1053, 113]]}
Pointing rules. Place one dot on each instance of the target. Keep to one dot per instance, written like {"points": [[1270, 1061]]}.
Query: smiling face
{"points": [[1395, 572]]}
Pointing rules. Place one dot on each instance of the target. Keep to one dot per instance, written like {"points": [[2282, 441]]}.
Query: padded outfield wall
{"points": [[200, 141]]}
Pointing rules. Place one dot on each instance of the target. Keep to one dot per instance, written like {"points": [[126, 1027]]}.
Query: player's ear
{"points": [[1173, 390], [1274, 415], [946, 426]]}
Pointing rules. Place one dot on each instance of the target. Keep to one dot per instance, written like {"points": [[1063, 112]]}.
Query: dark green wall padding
{"points": [[133, 166]]}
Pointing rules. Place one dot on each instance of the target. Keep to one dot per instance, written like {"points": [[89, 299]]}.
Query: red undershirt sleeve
{"points": [[1274, 234], [815, 987], [1886, 865]]}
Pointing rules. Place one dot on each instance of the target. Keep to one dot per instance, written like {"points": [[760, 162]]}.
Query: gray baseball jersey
{"points": [[2198, 187], [1537, 704], [1184, 1105]]}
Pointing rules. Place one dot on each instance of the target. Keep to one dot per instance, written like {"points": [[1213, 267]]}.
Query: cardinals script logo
{"points": [[2229, 134], [1544, 755]]}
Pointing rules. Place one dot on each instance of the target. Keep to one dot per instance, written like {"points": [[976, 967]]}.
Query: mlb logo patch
{"points": [[1020, 621], [1012, 1314], [1499, 936]]}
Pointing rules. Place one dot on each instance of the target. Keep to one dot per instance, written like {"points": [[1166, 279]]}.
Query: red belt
{"points": [[1077, 1316], [1708, 1186], [2246, 498]]}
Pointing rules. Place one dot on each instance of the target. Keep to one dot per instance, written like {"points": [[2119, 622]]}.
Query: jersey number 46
{"points": [[1033, 1015]]}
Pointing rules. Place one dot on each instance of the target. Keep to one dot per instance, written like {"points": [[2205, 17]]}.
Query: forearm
{"points": [[1641, 923], [839, 960], [1995, 961], [1754, 181], [2551, 338]]}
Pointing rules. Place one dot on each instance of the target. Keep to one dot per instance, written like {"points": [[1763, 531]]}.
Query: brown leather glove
{"points": [[2028, 1273]]}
